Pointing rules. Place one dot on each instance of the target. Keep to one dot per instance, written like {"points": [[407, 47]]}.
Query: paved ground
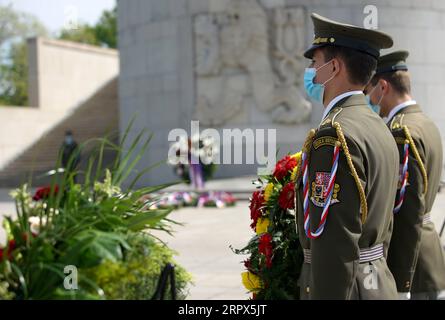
{"points": [[203, 244]]}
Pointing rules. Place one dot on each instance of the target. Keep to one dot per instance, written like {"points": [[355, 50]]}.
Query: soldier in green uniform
{"points": [[415, 255], [348, 177]]}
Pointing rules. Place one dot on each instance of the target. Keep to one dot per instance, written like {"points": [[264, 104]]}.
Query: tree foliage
{"points": [[15, 28], [18, 25], [103, 33]]}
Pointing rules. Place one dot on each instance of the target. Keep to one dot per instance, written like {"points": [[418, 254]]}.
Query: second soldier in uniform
{"points": [[415, 254]]}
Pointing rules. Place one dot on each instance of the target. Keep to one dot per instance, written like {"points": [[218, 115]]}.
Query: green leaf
{"points": [[147, 219], [90, 247]]}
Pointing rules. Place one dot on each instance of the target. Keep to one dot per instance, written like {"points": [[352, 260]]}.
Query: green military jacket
{"points": [[415, 255], [357, 220]]}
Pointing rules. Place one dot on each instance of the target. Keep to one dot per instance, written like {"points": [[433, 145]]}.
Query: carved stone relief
{"points": [[249, 53]]}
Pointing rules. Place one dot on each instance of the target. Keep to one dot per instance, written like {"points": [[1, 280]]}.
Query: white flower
{"points": [[34, 223]]}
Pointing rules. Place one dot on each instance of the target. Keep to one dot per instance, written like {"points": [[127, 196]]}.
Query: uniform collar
{"points": [[397, 109], [334, 101]]}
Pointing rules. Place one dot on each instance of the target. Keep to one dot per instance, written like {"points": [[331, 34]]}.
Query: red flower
{"points": [[286, 198], [265, 248], [230, 199], [11, 247], [284, 167], [248, 265], [44, 192], [256, 206]]}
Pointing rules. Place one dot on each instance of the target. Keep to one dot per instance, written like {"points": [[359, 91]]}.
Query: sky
{"points": [[55, 14]]}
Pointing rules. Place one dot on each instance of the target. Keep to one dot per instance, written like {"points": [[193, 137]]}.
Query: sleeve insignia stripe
{"points": [[324, 141]]}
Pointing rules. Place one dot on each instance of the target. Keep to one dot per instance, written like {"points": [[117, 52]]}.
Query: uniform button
{"points": [[307, 290], [407, 284]]}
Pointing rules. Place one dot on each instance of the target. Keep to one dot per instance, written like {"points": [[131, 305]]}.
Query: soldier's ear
{"points": [[384, 85], [337, 65]]}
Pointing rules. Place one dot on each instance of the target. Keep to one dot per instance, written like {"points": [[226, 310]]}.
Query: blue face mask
{"points": [[374, 107], [315, 91]]}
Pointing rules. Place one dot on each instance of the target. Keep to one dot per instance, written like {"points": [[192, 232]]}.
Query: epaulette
{"points": [[328, 122], [396, 122]]}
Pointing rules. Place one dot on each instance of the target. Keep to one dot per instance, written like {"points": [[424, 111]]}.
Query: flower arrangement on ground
{"points": [[178, 199], [274, 253], [194, 160]]}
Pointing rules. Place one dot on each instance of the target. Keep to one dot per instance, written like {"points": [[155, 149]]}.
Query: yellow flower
{"points": [[293, 176], [262, 225], [251, 281], [268, 191], [297, 156]]}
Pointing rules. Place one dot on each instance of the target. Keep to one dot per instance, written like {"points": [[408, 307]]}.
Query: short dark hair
{"points": [[399, 80], [360, 66]]}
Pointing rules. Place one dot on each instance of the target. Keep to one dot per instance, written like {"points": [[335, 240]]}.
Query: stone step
{"points": [[95, 118]]}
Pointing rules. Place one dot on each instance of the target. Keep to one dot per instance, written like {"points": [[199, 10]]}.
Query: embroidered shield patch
{"points": [[320, 189]]}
